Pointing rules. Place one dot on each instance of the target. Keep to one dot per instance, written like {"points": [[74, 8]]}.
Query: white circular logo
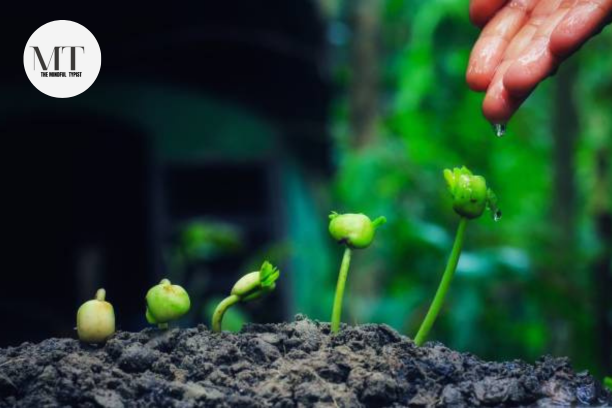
{"points": [[62, 59]]}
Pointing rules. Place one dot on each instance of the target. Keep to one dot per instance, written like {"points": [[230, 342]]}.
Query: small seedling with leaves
{"points": [[355, 231], [166, 302], [96, 319], [251, 286], [470, 199]]}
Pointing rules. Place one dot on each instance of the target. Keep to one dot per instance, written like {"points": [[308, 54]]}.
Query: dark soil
{"points": [[280, 365]]}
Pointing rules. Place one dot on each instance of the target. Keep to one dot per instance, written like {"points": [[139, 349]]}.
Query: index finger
{"points": [[489, 50], [481, 11]]}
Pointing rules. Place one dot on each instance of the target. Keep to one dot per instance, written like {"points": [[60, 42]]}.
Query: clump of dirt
{"points": [[279, 365]]}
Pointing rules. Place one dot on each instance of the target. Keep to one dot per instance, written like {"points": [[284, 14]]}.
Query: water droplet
{"points": [[497, 215], [499, 129]]}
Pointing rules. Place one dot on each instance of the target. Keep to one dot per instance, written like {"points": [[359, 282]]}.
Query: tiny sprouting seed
{"points": [[355, 231], [96, 319], [471, 197], [251, 286], [165, 303]]}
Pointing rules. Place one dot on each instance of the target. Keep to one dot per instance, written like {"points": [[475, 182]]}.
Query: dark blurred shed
{"points": [[211, 111]]}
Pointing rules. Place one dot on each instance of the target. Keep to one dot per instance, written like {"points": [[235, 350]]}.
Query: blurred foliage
{"points": [[515, 294], [195, 243], [191, 253], [198, 241], [202, 240]]}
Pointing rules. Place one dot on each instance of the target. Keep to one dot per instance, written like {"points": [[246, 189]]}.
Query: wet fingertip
{"points": [[517, 81], [481, 11], [562, 43], [476, 80], [477, 83], [478, 18], [495, 110]]}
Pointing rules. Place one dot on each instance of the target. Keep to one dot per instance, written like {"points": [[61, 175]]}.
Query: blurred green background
{"points": [[222, 133], [536, 282]]}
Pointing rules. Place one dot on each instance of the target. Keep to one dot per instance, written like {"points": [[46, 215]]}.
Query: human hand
{"points": [[523, 42]]}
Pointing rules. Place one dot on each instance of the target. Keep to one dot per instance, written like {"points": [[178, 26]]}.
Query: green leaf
{"points": [[268, 274]]}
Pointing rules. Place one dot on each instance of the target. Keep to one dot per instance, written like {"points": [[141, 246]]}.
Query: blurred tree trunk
{"points": [[563, 267], [565, 129], [364, 83], [602, 267]]}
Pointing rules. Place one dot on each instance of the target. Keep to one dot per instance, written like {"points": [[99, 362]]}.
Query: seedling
{"points": [[96, 319], [355, 231], [251, 286], [470, 199], [165, 303]]}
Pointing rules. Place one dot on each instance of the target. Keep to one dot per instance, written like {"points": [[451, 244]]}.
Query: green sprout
{"points": [[608, 383], [96, 319], [470, 199], [251, 286], [165, 303], [355, 231]]}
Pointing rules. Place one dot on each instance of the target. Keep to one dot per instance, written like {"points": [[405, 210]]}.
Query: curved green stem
{"points": [[436, 305], [225, 304], [337, 311]]}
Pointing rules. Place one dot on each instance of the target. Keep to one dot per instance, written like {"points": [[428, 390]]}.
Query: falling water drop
{"points": [[497, 215], [499, 129]]}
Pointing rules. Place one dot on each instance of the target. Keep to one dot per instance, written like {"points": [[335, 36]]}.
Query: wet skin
{"points": [[522, 42]]}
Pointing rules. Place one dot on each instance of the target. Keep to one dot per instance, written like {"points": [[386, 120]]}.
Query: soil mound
{"points": [[279, 365]]}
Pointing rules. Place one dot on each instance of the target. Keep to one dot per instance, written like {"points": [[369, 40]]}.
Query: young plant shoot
{"points": [[165, 303], [470, 199], [355, 231], [251, 286], [96, 319]]}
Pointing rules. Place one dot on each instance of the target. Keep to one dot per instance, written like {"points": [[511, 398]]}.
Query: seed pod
{"points": [[166, 302], [96, 319], [256, 284], [354, 230], [470, 193], [245, 285]]}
